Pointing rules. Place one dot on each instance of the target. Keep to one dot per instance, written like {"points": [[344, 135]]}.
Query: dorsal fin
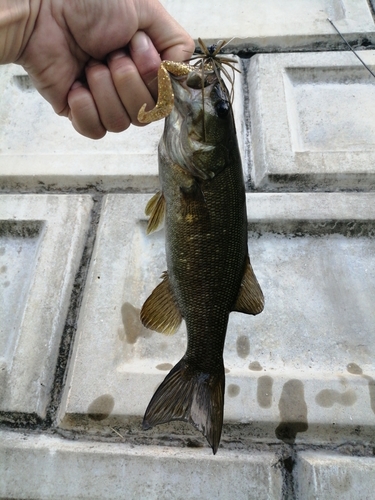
{"points": [[160, 312], [250, 298], [155, 209]]}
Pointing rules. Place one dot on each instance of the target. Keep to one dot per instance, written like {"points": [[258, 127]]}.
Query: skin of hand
{"points": [[96, 61]]}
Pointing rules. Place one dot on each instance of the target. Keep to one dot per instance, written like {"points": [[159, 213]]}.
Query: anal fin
{"points": [[250, 298], [160, 312], [155, 209]]}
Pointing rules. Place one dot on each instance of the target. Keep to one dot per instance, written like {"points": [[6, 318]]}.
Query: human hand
{"points": [[96, 62]]}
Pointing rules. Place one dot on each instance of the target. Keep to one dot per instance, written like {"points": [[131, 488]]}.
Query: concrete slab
{"points": [[310, 121], [41, 242], [274, 26], [330, 476], [53, 468], [40, 150], [308, 358]]}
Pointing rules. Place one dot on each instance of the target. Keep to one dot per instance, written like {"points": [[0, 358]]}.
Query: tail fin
{"points": [[191, 396]]}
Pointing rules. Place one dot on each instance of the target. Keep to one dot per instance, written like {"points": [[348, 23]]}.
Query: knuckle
{"points": [[97, 73], [124, 73]]}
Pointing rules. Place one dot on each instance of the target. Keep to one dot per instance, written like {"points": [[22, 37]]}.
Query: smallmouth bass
{"points": [[209, 274]]}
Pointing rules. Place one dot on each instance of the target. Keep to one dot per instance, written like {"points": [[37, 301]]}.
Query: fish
{"points": [[203, 205]]}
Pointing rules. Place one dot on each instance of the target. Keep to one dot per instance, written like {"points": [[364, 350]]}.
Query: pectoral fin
{"points": [[160, 311], [250, 299], [155, 209]]}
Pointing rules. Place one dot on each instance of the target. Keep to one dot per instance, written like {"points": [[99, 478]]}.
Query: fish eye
{"points": [[222, 108], [194, 81]]}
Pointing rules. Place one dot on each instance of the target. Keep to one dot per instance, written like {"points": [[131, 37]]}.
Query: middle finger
{"points": [[129, 84], [111, 111]]}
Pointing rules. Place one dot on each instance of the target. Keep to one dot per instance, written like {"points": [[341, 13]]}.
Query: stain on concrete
{"points": [[3, 378], [121, 333], [354, 369], [371, 388], [357, 370], [164, 366], [233, 390], [3, 269], [2, 250], [341, 481], [6, 284], [227, 370], [255, 366], [264, 391], [293, 412], [328, 397], [101, 407], [243, 346], [24, 83], [132, 323]]}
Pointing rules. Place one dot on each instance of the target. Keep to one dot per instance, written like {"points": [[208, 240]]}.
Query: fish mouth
{"points": [[193, 87], [192, 102], [196, 80], [200, 108]]}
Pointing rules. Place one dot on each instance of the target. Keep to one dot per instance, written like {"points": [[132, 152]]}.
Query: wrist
{"points": [[17, 20]]}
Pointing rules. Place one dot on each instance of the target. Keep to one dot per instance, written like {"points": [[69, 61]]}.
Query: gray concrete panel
{"points": [[330, 476], [309, 353], [41, 242], [311, 121], [273, 25], [47, 467]]}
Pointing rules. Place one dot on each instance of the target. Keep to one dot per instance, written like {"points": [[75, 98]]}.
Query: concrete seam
{"points": [[248, 163], [371, 7], [32, 421], [68, 336]]}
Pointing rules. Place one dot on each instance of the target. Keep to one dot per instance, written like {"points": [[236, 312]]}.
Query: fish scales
{"points": [[206, 256], [209, 273]]}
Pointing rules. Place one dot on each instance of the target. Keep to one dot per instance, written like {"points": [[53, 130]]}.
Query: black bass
{"points": [[209, 273]]}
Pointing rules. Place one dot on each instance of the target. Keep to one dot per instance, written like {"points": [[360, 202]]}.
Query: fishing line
{"points": [[351, 48]]}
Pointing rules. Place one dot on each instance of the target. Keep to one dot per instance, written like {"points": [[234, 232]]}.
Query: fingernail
{"points": [[140, 42]]}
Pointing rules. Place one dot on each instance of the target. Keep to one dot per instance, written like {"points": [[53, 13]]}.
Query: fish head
{"points": [[200, 131]]}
